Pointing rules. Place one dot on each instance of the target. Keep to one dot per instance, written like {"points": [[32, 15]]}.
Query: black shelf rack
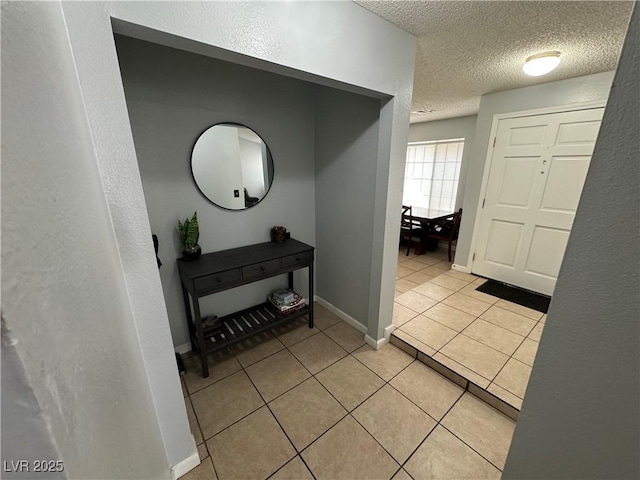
{"points": [[246, 323]]}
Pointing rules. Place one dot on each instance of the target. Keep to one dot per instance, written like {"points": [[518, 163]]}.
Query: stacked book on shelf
{"points": [[286, 301]]}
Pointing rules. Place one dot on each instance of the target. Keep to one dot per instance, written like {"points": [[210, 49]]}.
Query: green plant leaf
{"points": [[189, 231]]}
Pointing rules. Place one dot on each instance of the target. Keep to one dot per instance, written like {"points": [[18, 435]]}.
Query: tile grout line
{"points": [[291, 460], [299, 452], [432, 430], [324, 368], [417, 340], [415, 404], [439, 422], [511, 357], [205, 440], [350, 413], [366, 398], [243, 369], [460, 374], [505, 388], [451, 306], [485, 458], [295, 449], [266, 404], [375, 439], [489, 346]]}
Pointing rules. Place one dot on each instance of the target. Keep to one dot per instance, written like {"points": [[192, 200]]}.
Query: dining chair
{"points": [[409, 227], [446, 229]]}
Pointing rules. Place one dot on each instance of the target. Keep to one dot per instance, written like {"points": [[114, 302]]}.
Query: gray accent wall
{"points": [[172, 97], [581, 413], [324, 144], [589, 88], [346, 140], [461, 127]]}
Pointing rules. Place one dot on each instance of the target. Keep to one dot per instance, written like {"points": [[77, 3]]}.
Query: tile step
{"points": [[480, 392]]}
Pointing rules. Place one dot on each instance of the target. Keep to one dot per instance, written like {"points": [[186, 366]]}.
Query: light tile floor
{"points": [[488, 341], [318, 403]]}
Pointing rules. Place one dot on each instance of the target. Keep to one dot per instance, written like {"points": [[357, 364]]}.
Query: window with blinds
{"points": [[431, 174]]}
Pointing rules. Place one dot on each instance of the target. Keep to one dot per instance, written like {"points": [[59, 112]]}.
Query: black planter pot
{"points": [[192, 253], [278, 234]]}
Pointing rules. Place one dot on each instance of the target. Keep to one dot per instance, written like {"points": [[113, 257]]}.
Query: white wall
{"points": [[580, 415], [254, 167], [214, 159], [461, 127], [589, 88], [174, 95], [362, 51], [25, 429], [64, 293]]}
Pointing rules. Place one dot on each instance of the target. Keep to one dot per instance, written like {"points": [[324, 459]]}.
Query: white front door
{"points": [[537, 171]]}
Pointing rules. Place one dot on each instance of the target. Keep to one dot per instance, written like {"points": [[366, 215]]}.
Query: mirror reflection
{"points": [[232, 166]]}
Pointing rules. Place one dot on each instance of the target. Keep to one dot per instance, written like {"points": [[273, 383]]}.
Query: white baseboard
{"points": [[378, 344], [460, 268], [344, 316], [184, 348], [186, 465], [388, 331]]}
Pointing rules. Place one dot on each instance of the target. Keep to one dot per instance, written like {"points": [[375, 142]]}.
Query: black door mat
{"points": [[517, 295]]}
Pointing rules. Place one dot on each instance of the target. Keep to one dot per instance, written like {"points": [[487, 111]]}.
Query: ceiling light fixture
{"points": [[541, 63]]}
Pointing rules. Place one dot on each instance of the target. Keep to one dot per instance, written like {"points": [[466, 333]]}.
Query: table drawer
{"points": [[299, 259], [216, 279], [260, 268]]}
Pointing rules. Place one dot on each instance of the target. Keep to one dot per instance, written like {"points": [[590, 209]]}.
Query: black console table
{"points": [[219, 271]]}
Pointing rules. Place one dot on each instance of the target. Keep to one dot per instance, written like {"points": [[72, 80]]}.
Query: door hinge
{"points": [[474, 257], [494, 141], [483, 202]]}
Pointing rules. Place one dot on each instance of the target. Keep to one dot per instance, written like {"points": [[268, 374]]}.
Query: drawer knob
{"points": [[297, 259], [262, 268], [218, 279]]}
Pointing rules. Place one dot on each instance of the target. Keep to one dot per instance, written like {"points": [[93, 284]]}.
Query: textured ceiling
{"points": [[470, 48]]}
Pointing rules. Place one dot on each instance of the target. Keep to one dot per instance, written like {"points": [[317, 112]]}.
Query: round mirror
{"points": [[232, 166]]}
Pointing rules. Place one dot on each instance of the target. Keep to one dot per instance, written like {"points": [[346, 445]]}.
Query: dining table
{"points": [[427, 217]]}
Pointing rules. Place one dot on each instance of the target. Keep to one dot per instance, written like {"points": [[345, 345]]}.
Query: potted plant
{"points": [[189, 234]]}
